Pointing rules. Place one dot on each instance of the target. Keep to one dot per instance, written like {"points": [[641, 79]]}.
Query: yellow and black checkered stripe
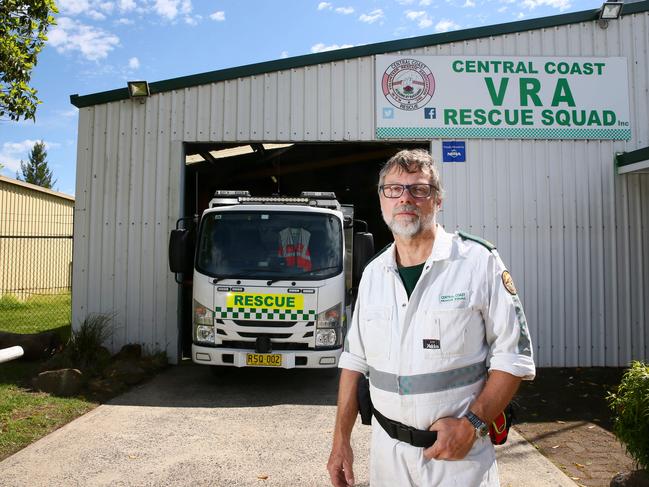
{"points": [[264, 314]]}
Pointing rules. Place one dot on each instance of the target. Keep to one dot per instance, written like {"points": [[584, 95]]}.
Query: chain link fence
{"points": [[35, 258]]}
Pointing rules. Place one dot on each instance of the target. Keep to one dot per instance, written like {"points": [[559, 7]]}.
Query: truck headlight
{"points": [[203, 323], [329, 318], [202, 314], [328, 327], [326, 337], [205, 333]]}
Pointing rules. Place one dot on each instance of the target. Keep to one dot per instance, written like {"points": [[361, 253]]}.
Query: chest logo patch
{"points": [[450, 298], [431, 344]]}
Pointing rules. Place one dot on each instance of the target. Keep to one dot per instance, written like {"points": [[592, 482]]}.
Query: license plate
{"points": [[264, 359]]}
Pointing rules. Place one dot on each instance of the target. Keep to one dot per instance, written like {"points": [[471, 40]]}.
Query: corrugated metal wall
{"points": [[570, 229], [34, 256]]}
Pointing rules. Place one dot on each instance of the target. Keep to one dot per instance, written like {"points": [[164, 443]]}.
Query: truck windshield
{"points": [[270, 245]]}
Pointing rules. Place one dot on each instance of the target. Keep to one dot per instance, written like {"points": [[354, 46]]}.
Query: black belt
{"points": [[407, 434]]}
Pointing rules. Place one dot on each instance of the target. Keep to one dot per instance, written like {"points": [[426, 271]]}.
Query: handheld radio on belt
{"points": [[498, 429]]}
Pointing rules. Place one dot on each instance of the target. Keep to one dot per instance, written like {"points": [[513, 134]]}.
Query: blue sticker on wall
{"points": [[454, 151]]}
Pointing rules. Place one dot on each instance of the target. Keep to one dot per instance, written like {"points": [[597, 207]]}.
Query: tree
{"points": [[35, 170], [23, 28]]}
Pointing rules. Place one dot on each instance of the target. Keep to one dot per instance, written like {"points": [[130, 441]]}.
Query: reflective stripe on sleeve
{"points": [[427, 383]]}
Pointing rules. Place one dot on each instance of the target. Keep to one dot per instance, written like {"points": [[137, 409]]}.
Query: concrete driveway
{"points": [[243, 427]]}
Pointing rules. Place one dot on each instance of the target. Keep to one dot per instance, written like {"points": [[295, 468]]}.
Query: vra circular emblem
{"points": [[408, 84]]}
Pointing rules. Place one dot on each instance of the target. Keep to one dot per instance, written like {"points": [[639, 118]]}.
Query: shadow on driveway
{"points": [[199, 386]]}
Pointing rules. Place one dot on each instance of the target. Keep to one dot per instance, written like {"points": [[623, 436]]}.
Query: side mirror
{"points": [[181, 251], [363, 252]]}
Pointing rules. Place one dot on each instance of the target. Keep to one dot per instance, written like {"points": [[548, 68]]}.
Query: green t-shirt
{"points": [[410, 276]]}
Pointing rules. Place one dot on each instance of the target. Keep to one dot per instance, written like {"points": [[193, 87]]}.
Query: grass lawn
{"points": [[38, 313], [26, 416]]}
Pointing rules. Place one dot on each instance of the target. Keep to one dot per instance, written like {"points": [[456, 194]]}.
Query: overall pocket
{"points": [[377, 333], [443, 332]]}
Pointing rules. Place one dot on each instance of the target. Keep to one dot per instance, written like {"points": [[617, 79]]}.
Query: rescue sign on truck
{"points": [[269, 301]]}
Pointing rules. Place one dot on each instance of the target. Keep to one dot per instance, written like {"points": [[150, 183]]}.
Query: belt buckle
{"points": [[404, 433]]}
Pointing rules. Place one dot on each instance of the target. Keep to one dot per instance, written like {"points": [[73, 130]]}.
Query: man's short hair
{"points": [[412, 161]]}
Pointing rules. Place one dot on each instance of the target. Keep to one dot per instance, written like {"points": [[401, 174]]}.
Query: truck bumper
{"points": [[236, 357]]}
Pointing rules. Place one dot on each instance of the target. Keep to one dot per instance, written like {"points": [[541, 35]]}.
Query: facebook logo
{"points": [[430, 113], [388, 112]]}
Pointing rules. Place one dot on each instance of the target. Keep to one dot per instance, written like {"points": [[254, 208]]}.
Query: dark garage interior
{"points": [[350, 170]]}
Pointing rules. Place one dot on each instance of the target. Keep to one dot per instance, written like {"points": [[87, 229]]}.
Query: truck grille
{"points": [[267, 335], [276, 346], [266, 324]]}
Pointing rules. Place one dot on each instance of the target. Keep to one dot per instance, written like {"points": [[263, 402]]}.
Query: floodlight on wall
{"points": [[609, 11], [138, 90]]}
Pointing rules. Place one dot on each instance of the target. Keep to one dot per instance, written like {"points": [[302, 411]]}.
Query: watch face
{"points": [[482, 431]]}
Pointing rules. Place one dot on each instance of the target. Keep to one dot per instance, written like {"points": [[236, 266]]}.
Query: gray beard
{"points": [[408, 229]]}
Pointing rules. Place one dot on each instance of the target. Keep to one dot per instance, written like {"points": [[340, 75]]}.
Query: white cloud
{"points": [[345, 10], [107, 7], [425, 3], [12, 152], [126, 5], [134, 63], [502, 9], [320, 47], [219, 16], [445, 25], [124, 21], [193, 19], [324, 6], [92, 42], [520, 16], [73, 7], [406, 2], [94, 15], [421, 17], [560, 4], [284, 54], [469, 3], [170, 9], [372, 17]]}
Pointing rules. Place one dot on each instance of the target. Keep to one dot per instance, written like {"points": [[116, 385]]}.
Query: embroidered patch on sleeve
{"points": [[509, 283]]}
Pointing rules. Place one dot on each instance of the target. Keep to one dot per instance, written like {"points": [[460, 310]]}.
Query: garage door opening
{"points": [[350, 170]]}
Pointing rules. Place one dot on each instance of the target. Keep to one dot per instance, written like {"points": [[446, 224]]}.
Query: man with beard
{"points": [[441, 333]]}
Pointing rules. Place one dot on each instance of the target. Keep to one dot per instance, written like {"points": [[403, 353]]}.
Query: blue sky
{"points": [[99, 45]]}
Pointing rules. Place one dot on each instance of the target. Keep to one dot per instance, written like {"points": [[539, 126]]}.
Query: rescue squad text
{"points": [[269, 301], [530, 94]]}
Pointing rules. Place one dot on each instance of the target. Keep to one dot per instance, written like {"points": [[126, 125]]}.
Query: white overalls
{"points": [[428, 356]]}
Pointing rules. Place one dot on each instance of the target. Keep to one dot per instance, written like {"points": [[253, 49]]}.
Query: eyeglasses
{"points": [[416, 190]]}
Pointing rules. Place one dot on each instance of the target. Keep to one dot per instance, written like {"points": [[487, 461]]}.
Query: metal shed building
{"points": [[568, 213], [35, 240]]}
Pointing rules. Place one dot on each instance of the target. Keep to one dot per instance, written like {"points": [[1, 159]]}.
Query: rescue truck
{"points": [[274, 278]]}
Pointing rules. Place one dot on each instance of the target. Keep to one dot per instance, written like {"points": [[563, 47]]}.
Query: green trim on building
{"points": [[500, 133], [353, 52], [627, 158]]}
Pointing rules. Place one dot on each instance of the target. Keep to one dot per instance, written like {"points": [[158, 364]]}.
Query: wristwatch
{"points": [[481, 428]]}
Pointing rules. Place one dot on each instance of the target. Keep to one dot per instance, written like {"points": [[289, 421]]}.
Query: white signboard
{"points": [[424, 97]]}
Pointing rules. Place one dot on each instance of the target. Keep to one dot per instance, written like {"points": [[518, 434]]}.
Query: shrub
{"points": [[85, 349], [630, 406]]}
